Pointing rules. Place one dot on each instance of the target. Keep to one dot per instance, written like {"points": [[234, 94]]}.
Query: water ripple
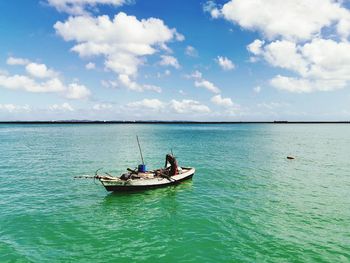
{"points": [[246, 203]]}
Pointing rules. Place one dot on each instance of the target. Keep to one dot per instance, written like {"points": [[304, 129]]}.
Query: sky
{"points": [[224, 60]]}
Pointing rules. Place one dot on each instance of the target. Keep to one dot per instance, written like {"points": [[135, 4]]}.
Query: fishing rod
{"points": [[138, 142]]}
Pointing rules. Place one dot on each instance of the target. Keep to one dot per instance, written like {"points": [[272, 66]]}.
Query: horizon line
{"points": [[169, 122]]}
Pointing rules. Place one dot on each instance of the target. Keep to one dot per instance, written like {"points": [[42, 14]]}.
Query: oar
{"points": [[132, 171], [169, 178], [89, 176], [84, 177]]}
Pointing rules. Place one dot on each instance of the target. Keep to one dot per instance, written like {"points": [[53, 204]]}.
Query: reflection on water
{"points": [[151, 194], [138, 204]]}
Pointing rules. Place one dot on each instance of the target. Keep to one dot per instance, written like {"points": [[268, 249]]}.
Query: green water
{"points": [[246, 203]]}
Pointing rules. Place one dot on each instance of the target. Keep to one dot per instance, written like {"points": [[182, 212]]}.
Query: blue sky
{"points": [[237, 60]]}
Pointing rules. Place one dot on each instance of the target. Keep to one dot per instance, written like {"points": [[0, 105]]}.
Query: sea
{"points": [[246, 203]]}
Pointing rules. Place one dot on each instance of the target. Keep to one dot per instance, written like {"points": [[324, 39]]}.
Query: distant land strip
{"points": [[171, 122]]}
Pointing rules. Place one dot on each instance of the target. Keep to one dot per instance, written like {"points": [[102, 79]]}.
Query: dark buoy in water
{"points": [[290, 158]]}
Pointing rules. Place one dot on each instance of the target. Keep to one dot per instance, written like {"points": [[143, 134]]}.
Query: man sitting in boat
{"points": [[172, 169]]}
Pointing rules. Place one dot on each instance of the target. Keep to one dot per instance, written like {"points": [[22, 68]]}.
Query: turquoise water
{"points": [[246, 203]]}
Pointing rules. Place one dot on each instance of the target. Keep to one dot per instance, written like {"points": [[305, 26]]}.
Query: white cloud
{"points": [[225, 63], [230, 108], [159, 75], [79, 7], [302, 85], [102, 106], [109, 83], [196, 75], [285, 54], [200, 82], [327, 59], [40, 71], [62, 107], [51, 84], [126, 81], [188, 106], [147, 104], [15, 108], [307, 37], [257, 89], [225, 102], [90, 65], [255, 46], [211, 8], [169, 61], [34, 69], [191, 51], [272, 105], [185, 106], [17, 61], [319, 65], [3, 72], [76, 91], [289, 19], [123, 41], [21, 82], [152, 88]]}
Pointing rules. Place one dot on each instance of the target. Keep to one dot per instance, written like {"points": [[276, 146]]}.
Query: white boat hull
{"points": [[117, 184]]}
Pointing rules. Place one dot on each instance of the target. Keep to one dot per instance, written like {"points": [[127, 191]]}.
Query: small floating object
{"points": [[290, 157]]}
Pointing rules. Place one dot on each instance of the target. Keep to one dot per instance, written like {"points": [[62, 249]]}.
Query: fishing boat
{"points": [[142, 179], [138, 180]]}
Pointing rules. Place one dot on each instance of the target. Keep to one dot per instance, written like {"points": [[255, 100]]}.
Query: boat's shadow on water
{"points": [[171, 190], [139, 204]]}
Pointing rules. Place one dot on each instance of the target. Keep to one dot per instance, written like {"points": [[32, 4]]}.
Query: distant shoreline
{"points": [[172, 122]]}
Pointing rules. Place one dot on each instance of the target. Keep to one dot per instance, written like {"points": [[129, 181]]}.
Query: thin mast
{"points": [[137, 137]]}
